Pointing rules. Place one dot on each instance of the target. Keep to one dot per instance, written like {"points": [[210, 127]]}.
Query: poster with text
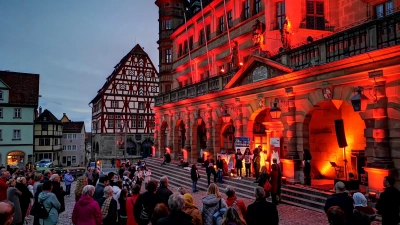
{"points": [[275, 148], [242, 143]]}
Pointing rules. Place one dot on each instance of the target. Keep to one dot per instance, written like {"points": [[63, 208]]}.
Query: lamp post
{"points": [[226, 117], [275, 111], [359, 101], [199, 119]]}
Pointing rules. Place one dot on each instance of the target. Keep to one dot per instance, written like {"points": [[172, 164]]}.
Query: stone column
{"points": [[238, 122], [170, 134], [268, 132], [187, 136], [382, 164], [208, 122]]}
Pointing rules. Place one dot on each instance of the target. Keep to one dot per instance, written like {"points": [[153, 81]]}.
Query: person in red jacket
{"points": [[233, 201], [87, 210], [4, 174], [274, 183]]}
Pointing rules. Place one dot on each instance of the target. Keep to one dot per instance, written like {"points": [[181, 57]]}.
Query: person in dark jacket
{"points": [[163, 192], [389, 202], [209, 165], [58, 191], [108, 207], [25, 198], [146, 203], [257, 162], [99, 191], [220, 167], [307, 167], [194, 175], [261, 210], [274, 183], [122, 210], [176, 203], [239, 163], [342, 199]]}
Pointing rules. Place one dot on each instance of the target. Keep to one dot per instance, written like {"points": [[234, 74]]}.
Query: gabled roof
{"points": [[48, 117], [24, 87], [73, 127], [253, 60]]}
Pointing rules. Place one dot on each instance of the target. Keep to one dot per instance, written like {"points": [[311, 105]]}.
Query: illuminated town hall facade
{"points": [[282, 70]]}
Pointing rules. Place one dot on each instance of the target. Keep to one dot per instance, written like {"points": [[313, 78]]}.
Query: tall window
{"points": [[17, 134], [208, 32], [47, 141], [180, 49], [17, 113], [168, 56], [246, 9], [110, 121], [257, 6], [168, 25], [56, 141], [1, 134], [118, 121], [280, 14], [141, 105], [382, 10], [41, 141], [1, 112], [315, 15], [1, 95], [201, 37], [45, 127], [114, 104], [190, 43], [229, 14], [221, 24], [185, 47], [140, 121], [133, 121]]}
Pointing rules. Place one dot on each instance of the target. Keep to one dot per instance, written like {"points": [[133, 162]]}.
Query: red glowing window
{"points": [[315, 15]]}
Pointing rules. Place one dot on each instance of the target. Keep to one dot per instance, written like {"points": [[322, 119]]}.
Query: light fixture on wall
{"points": [[359, 101], [275, 111], [226, 117], [199, 119]]}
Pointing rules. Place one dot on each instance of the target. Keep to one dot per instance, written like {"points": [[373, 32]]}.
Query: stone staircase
{"points": [[291, 194]]}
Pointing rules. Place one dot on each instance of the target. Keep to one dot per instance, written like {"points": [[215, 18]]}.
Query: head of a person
{"points": [[55, 177], [119, 184], [111, 175], [21, 180], [38, 177], [230, 191], [11, 182], [108, 191], [88, 190], [68, 171], [359, 199], [89, 168], [274, 160], [47, 173], [336, 216], [6, 212], [176, 202], [105, 180], [259, 192], [232, 215], [136, 189], [219, 157], [164, 181], [274, 167], [160, 211], [247, 150], [238, 150], [194, 167], [4, 174], [47, 186], [127, 173], [189, 201], [340, 187], [259, 147], [213, 190], [389, 181], [151, 186], [182, 190], [263, 169], [124, 194], [82, 180]]}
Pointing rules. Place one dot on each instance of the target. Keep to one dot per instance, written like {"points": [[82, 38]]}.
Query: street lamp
{"points": [[199, 119], [226, 117], [275, 111], [359, 101]]}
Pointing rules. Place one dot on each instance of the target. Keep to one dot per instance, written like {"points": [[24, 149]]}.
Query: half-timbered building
{"points": [[122, 116]]}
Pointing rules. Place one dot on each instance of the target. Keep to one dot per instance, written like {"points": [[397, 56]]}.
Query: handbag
{"points": [[267, 186], [219, 214]]}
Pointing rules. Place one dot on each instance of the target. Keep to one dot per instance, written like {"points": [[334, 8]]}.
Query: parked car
{"points": [[45, 163]]}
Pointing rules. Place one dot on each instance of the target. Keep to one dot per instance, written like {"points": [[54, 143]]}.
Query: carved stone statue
{"points": [[235, 55], [258, 31], [286, 34]]}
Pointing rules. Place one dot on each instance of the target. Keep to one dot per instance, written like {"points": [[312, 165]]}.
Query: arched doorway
{"points": [[16, 158], [163, 138], [146, 148], [320, 138], [228, 139], [131, 148], [179, 139]]}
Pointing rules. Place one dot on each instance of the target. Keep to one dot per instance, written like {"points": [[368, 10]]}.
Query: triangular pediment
{"points": [[257, 69], [3, 85]]}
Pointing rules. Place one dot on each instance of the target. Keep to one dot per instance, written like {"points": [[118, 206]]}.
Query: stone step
{"points": [[303, 195], [307, 190]]}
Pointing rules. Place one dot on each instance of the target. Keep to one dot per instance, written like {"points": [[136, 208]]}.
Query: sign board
{"points": [[242, 143]]}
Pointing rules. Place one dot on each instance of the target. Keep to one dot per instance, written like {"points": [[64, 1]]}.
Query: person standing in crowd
{"points": [[247, 161], [232, 217], [160, 211], [7, 210], [211, 204], [58, 191], [112, 163], [163, 192], [99, 190], [363, 214], [307, 167], [38, 179], [25, 197], [389, 202], [279, 182], [274, 183], [233, 201], [50, 203], [130, 205], [146, 202], [336, 216], [96, 176], [30, 182], [87, 210], [46, 176], [108, 206], [342, 199], [138, 178], [122, 217], [239, 163], [209, 164], [132, 171], [89, 175], [194, 175], [118, 163], [68, 179], [262, 179], [127, 182], [13, 195], [146, 174], [192, 210], [111, 178], [220, 167], [257, 162], [81, 182], [117, 188], [3, 184], [261, 210], [176, 215]]}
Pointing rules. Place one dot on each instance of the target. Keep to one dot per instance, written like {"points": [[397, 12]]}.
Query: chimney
{"points": [[40, 110], [64, 114]]}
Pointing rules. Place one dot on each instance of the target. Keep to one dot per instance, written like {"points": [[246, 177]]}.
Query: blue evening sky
{"points": [[73, 45]]}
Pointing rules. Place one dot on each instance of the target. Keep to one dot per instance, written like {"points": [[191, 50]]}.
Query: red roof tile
{"points": [[73, 127], [24, 87]]}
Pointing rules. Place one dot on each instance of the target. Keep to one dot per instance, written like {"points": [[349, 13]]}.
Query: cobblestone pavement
{"points": [[288, 215]]}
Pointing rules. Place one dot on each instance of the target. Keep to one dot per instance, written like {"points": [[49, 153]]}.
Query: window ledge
{"points": [[17, 117], [16, 139]]}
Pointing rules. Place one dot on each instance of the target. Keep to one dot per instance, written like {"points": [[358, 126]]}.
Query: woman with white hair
{"points": [[108, 207], [25, 198], [363, 214], [58, 191], [87, 210]]}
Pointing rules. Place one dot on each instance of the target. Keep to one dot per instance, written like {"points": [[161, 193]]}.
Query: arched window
{"points": [[229, 139]]}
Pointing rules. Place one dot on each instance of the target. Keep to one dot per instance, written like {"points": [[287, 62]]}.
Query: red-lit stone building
{"points": [[231, 62]]}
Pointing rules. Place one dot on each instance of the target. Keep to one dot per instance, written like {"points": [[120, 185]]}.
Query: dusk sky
{"points": [[74, 46]]}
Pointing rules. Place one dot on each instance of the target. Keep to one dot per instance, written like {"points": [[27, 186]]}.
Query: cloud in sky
{"points": [[74, 46]]}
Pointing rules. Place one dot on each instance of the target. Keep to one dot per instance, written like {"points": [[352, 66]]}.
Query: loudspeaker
{"points": [[341, 137]]}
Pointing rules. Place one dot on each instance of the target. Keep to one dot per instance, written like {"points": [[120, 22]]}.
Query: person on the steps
{"points": [[209, 164], [257, 162], [220, 167], [307, 167], [194, 175], [167, 157], [239, 163]]}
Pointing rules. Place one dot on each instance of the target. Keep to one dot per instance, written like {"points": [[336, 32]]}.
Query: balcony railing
{"points": [[360, 38]]}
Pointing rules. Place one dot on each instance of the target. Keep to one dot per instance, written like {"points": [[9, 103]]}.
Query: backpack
{"points": [[41, 211], [144, 215], [219, 215]]}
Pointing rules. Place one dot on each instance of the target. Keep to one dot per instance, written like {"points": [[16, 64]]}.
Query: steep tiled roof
{"points": [[73, 127], [49, 117], [24, 87]]}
